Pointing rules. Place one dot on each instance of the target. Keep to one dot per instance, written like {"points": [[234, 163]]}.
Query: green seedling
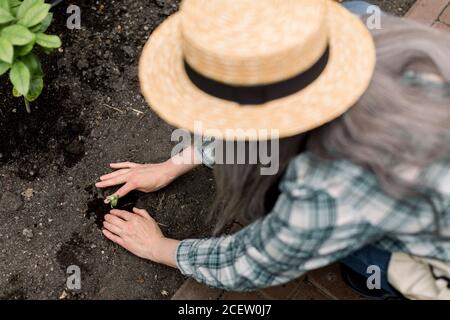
{"points": [[22, 29], [113, 201]]}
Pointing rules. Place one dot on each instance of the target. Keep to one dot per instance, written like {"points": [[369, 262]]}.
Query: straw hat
{"points": [[238, 67]]}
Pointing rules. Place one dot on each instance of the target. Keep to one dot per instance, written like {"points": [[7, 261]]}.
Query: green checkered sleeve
{"points": [[326, 211], [301, 234]]}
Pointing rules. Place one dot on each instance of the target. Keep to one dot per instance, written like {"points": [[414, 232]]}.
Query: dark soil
{"points": [[397, 7], [91, 113]]}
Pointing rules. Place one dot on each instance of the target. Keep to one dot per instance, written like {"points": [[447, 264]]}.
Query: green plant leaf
{"points": [[35, 14], [4, 67], [14, 3], [24, 50], [6, 50], [20, 77], [26, 5], [113, 200], [5, 16], [18, 35], [48, 41], [43, 26], [16, 93], [33, 64], [4, 4], [14, 6], [36, 28], [46, 22], [36, 87]]}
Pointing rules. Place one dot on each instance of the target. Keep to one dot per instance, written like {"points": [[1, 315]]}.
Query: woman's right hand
{"points": [[148, 177], [134, 176]]}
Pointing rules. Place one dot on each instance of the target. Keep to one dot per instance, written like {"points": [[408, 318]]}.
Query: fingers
{"points": [[118, 221], [122, 214], [114, 174], [112, 237], [124, 165], [141, 212], [112, 182], [123, 191], [127, 188], [112, 228]]}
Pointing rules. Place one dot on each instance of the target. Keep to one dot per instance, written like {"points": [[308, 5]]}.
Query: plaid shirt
{"points": [[326, 210]]}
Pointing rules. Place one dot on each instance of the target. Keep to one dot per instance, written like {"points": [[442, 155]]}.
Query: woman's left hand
{"points": [[140, 234]]}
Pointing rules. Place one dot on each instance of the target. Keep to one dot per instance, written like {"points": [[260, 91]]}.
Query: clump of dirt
{"points": [[39, 138], [15, 292], [73, 252]]}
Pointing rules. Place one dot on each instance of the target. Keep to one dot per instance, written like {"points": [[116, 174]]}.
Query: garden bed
{"points": [[91, 113]]}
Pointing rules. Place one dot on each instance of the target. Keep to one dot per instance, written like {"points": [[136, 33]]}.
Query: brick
{"points": [[441, 26], [445, 16], [241, 296], [427, 11], [193, 290], [307, 291], [329, 281], [282, 292]]}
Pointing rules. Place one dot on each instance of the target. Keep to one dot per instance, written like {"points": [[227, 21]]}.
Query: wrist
{"points": [[165, 252], [171, 171], [181, 163]]}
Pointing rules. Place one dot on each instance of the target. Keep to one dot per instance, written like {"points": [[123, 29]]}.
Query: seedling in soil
{"points": [[97, 208], [22, 26], [112, 200]]}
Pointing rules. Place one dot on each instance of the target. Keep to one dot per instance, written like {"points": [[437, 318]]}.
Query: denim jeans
{"points": [[361, 260], [357, 7]]}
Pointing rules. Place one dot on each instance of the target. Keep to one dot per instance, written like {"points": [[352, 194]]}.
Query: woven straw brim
{"points": [[179, 102]]}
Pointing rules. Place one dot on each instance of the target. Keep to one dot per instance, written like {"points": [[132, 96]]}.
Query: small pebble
{"points": [[28, 233]]}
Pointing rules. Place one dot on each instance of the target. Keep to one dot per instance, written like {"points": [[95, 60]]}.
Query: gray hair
{"points": [[394, 125], [398, 123]]}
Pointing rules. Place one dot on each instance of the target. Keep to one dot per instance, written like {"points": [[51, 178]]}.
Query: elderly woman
{"points": [[364, 150]]}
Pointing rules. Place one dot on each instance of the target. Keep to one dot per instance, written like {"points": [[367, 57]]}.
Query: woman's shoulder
{"points": [[437, 176], [308, 176], [343, 179], [310, 168]]}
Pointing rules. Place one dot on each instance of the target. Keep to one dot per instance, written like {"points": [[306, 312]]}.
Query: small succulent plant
{"points": [[22, 28], [113, 200]]}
